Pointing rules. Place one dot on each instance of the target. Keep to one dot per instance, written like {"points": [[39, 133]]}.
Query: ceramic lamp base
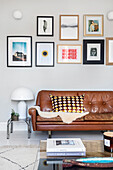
{"points": [[22, 109]]}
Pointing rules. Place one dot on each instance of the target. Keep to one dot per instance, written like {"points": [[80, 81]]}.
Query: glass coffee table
{"points": [[94, 148]]}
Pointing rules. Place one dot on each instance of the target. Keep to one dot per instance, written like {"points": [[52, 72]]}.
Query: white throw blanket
{"points": [[65, 116]]}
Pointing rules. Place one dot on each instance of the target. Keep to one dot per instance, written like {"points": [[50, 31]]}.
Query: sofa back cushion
{"points": [[94, 101]]}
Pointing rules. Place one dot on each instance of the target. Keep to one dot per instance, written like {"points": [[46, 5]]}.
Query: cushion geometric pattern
{"points": [[67, 103]]}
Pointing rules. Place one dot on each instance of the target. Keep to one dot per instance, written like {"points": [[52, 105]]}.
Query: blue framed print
{"points": [[19, 51]]}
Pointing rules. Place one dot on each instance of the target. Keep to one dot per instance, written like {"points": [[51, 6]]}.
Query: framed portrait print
{"points": [[19, 51], [93, 25], [69, 27], [44, 54], [45, 25], [109, 51], [69, 54], [93, 51]]}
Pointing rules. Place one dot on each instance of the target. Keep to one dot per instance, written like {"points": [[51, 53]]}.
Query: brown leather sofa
{"points": [[99, 104]]}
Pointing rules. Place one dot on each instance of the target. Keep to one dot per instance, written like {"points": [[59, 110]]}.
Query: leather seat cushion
{"points": [[99, 117], [55, 119]]}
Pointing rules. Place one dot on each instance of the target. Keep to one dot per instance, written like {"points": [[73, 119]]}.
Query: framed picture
{"points": [[70, 54], [109, 51], [93, 25], [45, 25], [44, 54], [69, 27], [19, 51], [93, 51]]}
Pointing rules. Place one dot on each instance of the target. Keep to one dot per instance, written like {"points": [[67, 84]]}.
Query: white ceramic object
{"points": [[17, 14], [110, 15]]}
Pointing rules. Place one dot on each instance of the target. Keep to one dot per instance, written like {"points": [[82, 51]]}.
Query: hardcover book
{"points": [[65, 147]]}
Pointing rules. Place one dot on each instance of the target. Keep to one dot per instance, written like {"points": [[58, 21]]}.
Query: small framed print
{"points": [[109, 51], [69, 27], [93, 51], [70, 54], [19, 51], [93, 25], [45, 25], [44, 54]]}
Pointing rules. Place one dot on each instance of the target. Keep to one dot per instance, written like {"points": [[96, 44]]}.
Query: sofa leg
{"points": [[49, 134]]}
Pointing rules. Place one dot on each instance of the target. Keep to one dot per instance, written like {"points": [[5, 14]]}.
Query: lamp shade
{"points": [[22, 93]]}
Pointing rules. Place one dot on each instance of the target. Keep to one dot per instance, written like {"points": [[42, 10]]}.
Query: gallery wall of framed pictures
{"points": [[19, 48]]}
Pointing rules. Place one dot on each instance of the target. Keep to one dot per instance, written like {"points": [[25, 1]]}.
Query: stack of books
{"points": [[65, 147]]}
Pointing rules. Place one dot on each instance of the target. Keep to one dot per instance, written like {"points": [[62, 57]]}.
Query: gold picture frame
{"points": [[93, 25], [69, 27], [69, 54], [109, 48]]}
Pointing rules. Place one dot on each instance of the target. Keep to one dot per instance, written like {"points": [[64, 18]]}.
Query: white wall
{"points": [[62, 76]]}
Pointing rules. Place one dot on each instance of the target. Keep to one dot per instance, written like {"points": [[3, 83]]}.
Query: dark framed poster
{"points": [[93, 51], [19, 51]]}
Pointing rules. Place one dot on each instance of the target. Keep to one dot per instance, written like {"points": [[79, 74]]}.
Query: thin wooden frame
{"points": [[102, 25], [52, 26], [108, 51], [99, 44], [13, 57], [36, 55], [72, 26], [69, 45]]}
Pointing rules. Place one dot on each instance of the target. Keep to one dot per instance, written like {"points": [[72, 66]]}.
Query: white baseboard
{"points": [[17, 126]]}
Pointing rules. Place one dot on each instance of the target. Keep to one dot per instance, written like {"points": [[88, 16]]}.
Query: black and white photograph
{"points": [[93, 51], [69, 27], [45, 25]]}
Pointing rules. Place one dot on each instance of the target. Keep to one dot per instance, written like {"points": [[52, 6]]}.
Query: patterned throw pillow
{"points": [[67, 103]]}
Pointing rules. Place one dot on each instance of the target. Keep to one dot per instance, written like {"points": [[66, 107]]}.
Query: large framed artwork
{"points": [[71, 54], [69, 27], [19, 51], [93, 51], [93, 25], [44, 54], [109, 51], [45, 25]]}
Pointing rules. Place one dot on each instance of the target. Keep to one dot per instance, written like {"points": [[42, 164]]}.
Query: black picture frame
{"points": [[39, 53], [99, 51], [47, 19], [16, 58]]}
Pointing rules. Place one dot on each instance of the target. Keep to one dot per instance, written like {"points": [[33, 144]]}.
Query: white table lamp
{"points": [[22, 94]]}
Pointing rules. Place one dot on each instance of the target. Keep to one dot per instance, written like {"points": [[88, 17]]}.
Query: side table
{"points": [[10, 128]]}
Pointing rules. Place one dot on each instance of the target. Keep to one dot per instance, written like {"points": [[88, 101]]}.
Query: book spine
{"points": [[66, 154]]}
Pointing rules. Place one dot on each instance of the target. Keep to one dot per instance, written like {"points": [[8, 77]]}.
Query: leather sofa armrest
{"points": [[33, 113]]}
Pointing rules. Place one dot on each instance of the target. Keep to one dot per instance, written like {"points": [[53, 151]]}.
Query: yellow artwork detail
{"points": [[44, 53]]}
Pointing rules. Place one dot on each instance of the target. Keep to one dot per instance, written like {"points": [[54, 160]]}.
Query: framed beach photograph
{"points": [[69, 27], [69, 54], [19, 51], [44, 54], [93, 51], [93, 25], [109, 51], [45, 25]]}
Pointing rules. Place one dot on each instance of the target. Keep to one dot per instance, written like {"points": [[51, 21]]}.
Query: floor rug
{"points": [[19, 157]]}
